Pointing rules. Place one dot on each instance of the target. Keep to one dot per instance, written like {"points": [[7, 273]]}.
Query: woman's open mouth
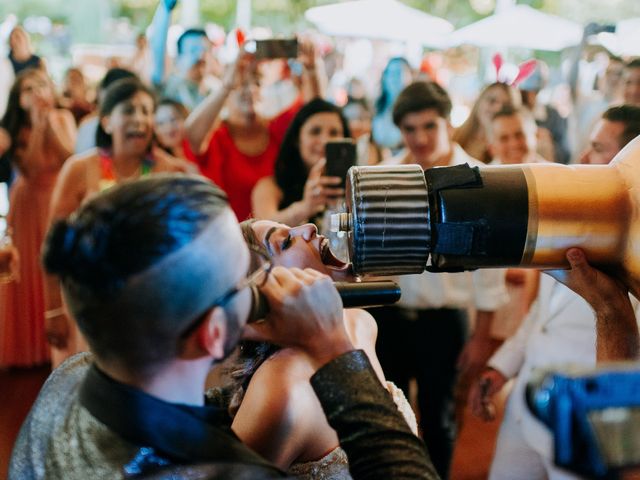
{"points": [[328, 258], [137, 135]]}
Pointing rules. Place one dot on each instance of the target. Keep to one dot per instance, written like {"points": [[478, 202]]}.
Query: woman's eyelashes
{"points": [[286, 243]]}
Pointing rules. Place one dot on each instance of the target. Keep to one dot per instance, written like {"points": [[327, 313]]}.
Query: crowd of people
{"points": [[133, 270]]}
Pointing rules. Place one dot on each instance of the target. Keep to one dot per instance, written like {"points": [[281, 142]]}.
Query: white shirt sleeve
{"points": [[490, 291], [509, 358]]}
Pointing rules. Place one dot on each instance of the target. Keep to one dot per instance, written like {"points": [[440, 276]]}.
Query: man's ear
{"points": [[209, 338]]}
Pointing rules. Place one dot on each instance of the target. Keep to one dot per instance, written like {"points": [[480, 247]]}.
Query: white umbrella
{"points": [[625, 42], [520, 26], [379, 19]]}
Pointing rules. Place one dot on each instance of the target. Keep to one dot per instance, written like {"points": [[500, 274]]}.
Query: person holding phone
{"points": [[241, 149], [299, 191]]}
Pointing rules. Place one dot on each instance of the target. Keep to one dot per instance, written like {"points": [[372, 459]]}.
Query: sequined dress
{"points": [[335, 465]]}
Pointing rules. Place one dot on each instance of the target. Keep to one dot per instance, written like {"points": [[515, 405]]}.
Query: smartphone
{"points": [[277, 48], [341, 156]]}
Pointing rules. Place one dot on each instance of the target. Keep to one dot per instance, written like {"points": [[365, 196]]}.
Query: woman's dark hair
{"points": [[120, 91], [290, 170], [121, 233], [15, 117], [384, 101], [113, 75]]}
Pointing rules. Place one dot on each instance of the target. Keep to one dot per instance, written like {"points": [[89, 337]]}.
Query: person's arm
{"points": [[37, 140], [378, 442], [278, 414], [66, 197], [503, 365], [489, 294], [306, 312], [574, 70], [205, 118], [617, 336], [313, 76], [482, 392], [158, 39], [61, 134], [477, 350]]}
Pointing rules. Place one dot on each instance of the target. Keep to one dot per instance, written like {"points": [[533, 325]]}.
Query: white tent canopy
{"points": [[520, 26], [380, 19], [625, 42]]}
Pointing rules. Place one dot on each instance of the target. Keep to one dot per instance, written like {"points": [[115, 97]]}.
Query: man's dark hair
{"points": [[100, 252], [190, 32], [629, 116], [420, 96]]}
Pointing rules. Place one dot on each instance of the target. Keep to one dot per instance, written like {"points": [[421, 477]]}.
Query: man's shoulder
{"points": [[48, 414], [60, 389]]}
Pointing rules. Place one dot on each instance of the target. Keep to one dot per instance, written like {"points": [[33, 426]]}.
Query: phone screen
{"points": [[277, 48], [341, 156]]}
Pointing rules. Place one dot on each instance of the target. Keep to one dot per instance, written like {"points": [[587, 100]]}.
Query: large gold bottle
{"points": [[403, 220]]}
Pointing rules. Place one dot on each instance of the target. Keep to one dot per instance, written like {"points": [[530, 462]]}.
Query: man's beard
{"points": [[234, 332]]}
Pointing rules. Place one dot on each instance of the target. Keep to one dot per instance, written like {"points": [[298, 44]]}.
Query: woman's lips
{"points": [[328, 258]]}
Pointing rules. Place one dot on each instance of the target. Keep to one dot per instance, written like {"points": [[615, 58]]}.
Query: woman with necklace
{"points": [[124, 152]]}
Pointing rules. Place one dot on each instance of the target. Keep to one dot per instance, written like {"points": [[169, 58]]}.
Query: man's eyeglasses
{"points": [[256, 279]]}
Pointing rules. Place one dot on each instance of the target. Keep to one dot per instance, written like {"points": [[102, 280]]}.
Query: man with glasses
{"points": [[155, 272]]}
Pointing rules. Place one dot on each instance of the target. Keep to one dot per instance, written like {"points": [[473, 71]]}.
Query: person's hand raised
{"points": [[307, 53], [238, 71]]}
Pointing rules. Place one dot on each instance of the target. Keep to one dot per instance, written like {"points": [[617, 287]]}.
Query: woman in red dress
{"points": [[42, 139]]}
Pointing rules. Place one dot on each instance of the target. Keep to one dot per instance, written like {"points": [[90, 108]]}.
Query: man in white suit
{"points": [[560, 329]]}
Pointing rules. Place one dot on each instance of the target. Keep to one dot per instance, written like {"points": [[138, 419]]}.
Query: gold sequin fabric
{"points": [[60, 439], [333, 466]]}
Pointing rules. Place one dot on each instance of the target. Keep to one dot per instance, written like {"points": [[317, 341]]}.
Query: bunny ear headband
{"points": [[525, 69]]}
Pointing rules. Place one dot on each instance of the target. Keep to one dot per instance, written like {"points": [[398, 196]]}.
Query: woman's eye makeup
{"points": [[286, 243]]}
